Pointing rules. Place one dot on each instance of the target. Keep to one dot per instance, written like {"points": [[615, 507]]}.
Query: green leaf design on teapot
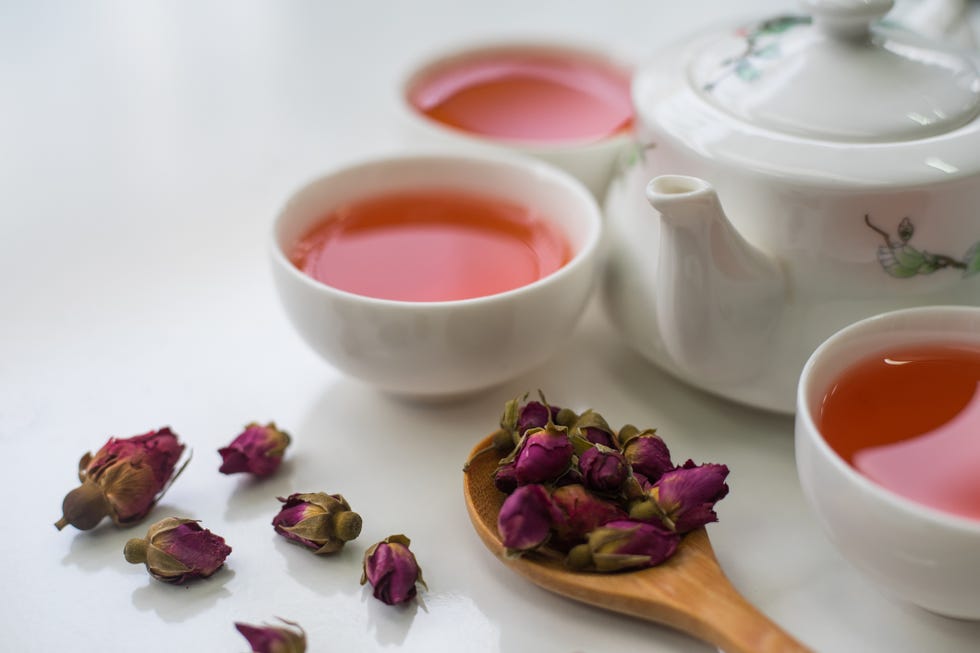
{"points": [[902, 260], [761, 43]]}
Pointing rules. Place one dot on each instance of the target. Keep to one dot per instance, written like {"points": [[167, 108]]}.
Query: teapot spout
{"points": [[718, 297]]}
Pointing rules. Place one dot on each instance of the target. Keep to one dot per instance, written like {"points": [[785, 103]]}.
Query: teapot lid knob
{"points": [[848, 19]]}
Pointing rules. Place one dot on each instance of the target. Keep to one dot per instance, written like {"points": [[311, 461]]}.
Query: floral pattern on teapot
{"points": [[900, 259], [762, 42]]}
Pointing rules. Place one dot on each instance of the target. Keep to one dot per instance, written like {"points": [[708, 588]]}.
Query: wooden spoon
{"points": [[689, 592]]}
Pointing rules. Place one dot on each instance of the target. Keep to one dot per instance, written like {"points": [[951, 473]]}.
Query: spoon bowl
{"points": [[689, 592]]}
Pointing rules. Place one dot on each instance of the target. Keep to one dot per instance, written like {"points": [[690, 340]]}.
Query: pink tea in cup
{"points": [[430, 246], [909, 419], [526, 94]]}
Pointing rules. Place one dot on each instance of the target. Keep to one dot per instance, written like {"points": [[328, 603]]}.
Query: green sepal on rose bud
{"points": [[392, 570], [622, 545], [176, 550], [318, 521], [594, 429], [123, 480]]}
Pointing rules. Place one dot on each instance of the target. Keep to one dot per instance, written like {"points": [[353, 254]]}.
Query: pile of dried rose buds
{"points": [[606, 500]]}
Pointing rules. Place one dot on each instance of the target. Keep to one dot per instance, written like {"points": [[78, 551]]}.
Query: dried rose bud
{"points": [[603, 469], [257, 450], [176, 550], [274, 639], [623, 545], [521, 415], [505, 477], [593, 427], [123, 480], [392, 570], [647, 454], [581, 512], [526, 518], [535, 415], [684, 498], [543, 455], [318, 521]]}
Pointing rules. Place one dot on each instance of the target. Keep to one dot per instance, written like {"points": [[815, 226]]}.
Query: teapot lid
{"points": [[831, 76]]}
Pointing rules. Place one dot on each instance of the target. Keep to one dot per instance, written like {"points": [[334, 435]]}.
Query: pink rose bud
{"points": [[543, 455], [521, 415], [257, 450], [176, 550], [684, 498], [505, 477], [321, 522], [526, 517], [646, 453], [274, 639], [603, 469], [592, 427], [392, 570], [581, 512], [123, 480], [621, 545], [535, 415]]}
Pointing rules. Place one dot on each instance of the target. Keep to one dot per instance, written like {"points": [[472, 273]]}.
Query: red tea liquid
{"points": [[431, 246], [528, 96], [909, 420]]}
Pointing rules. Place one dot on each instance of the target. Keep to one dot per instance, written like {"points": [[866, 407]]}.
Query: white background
{"points": [[144, 148]]}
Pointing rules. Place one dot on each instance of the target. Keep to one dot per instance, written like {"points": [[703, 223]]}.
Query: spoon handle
{"points": [[690, 593], [702, 602], [734, 625]]}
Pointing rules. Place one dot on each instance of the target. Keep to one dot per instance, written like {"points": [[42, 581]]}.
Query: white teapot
{"points": [[846, 158]]}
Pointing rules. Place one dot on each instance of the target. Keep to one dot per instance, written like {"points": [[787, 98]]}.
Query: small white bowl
{"points": [[591, 161], [449, 348], [917, 553]]}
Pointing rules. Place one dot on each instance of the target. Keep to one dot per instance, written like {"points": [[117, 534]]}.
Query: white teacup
{"points": [[441, 348], [591, 160], [920, 554]]}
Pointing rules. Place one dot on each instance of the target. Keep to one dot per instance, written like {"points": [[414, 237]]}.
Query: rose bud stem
{"points": [[347, 525], [135, 550], [84, 507]]}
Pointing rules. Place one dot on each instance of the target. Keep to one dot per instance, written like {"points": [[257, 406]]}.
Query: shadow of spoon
{"points": [[689, 592]]}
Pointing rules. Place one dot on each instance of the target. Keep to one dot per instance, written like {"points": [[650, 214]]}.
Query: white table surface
{"points": [[144, 148]]}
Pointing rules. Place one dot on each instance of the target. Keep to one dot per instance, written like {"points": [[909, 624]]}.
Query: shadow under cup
{"points": [[918, 553], [444, 348]]}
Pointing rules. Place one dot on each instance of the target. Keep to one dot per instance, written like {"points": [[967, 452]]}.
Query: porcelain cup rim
{"points": [[581, 254], [578, 47], [825, 355]]}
